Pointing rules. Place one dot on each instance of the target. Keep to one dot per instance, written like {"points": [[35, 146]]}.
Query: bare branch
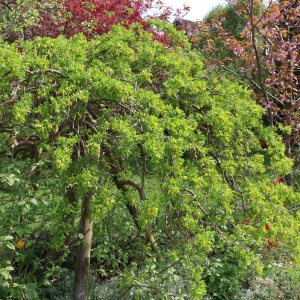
{"points": [[91, 126], [137, 186], [31, 73]]}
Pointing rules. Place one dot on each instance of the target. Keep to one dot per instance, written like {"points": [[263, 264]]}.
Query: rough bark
{"points": [[84, 251]]}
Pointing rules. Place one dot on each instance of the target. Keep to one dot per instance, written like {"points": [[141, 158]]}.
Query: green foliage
{"points": [[233, 23], [17, 16], [190, 140]]}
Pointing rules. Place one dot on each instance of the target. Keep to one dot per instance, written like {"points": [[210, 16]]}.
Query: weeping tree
{"points": [[125, 122]]}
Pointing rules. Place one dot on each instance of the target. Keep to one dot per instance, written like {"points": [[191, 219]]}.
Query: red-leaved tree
{"points": [[30, 18], [94, 17]]}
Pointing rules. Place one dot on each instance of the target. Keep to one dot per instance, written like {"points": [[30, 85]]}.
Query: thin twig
{"points": [[203, 209]]}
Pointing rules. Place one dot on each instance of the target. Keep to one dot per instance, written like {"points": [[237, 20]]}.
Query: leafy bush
{"points": [[280, 282], [167, 163]]}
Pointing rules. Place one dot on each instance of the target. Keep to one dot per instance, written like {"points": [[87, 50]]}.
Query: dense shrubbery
{"points": [[125, 158]]}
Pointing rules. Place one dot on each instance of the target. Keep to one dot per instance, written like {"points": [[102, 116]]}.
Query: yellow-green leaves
{"points": [[62, 154], [151, 133]]}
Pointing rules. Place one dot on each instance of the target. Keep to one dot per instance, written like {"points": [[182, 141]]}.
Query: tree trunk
{"points": [[84, 251]]}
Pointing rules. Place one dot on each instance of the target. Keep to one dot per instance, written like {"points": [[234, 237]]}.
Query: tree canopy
{"points": [[258, 43], [124, 157]]}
